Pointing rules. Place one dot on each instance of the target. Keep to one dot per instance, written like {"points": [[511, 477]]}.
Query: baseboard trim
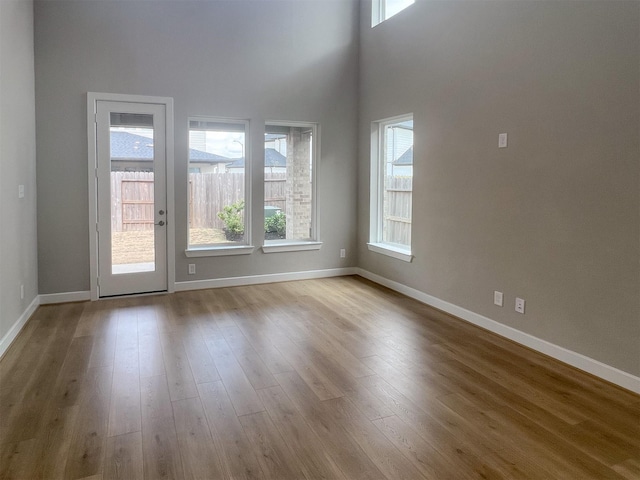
{"points": [[67, 297], [17, 327], [577, 360], [268, 278]]}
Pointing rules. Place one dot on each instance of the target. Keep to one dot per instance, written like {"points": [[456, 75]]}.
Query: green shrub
{"points": [[277, 223], [231, 215]]}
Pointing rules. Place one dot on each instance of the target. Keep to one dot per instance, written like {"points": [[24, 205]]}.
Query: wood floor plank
{"points": [[127, 329], [124, 411], [241, 392], [150, 356], [179, 375], [200, 360], [123, 457], [304, 443], [16, 460], [426, 458], [228, 435], [629, 469], [500, 375], [256, 371], [331, 349], [53, 443], [449, 434], [88, 440], [319, 382], [347, 454], [382, 453], [160, 451], [200, 459], [477, 419], [17, 424], [275, 458], [254, 332], [72, 374]]}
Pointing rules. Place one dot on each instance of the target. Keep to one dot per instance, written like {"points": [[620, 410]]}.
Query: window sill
{"points": [[220, 251], [290, 247], [390, 251]]}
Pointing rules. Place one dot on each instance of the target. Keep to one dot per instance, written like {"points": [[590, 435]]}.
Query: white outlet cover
{"points": [[520, 305], [502, 140]]}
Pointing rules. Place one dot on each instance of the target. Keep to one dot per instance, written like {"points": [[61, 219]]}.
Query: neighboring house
{"points": [[403, 165], [274, 162], [276, 141], [134, 152], [400, 141]]}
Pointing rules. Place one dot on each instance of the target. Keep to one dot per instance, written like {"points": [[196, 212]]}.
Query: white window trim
{"points": [[376, 207], [290, 246], [273, 246], [391, 251], [223, 249], [220, 251], [378, 13]]}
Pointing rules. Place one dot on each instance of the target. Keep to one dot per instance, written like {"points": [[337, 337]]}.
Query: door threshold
{"points": [[130, 295]]}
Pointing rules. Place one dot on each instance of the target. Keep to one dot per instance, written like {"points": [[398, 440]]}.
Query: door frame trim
{"points": [[92, 99]]}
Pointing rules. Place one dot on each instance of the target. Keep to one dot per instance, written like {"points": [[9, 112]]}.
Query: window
{"points": [[391, 186], [218, 178], [382, 10], [289, 186]]}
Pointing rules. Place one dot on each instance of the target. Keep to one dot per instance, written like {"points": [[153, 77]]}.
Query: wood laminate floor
{"points": [[334, 379]]}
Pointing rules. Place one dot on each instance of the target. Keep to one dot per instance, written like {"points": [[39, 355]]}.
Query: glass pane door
{"points": [[132, 193], [131, 198]]}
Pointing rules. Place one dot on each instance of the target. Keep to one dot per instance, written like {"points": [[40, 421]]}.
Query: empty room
{"points": [[319, 239]]}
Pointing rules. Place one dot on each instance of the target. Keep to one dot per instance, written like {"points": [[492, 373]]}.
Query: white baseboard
{"points": [[577, 360], [66, 297], [13, 332], [268, 278]]}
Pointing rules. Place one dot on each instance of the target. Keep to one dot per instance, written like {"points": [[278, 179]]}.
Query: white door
{"points": [[131, 190]]}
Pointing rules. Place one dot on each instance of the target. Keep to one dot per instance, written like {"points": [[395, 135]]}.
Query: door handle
{"points": [[160, 223]]}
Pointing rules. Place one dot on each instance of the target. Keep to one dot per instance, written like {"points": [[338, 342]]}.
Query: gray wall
{"points": [[261, 60], [553, 218], [18, 254]]}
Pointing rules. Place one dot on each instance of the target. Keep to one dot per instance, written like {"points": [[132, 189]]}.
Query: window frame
{"points": [[228, 248], [378, 11], [377, 185], [285, 245]]}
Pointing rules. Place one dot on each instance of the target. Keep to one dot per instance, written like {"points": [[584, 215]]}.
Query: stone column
{"points": [[298, 186]]}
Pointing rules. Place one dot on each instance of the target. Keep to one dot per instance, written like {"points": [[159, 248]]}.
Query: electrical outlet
{"points": [[21, 292], [343, 253], [192, 269], [502, 140], [519, 305], [20, 191], [497, 298]]}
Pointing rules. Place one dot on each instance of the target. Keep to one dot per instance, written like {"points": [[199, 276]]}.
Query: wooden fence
{"points": [[131, 201], [397, 214], [132, 205]]}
